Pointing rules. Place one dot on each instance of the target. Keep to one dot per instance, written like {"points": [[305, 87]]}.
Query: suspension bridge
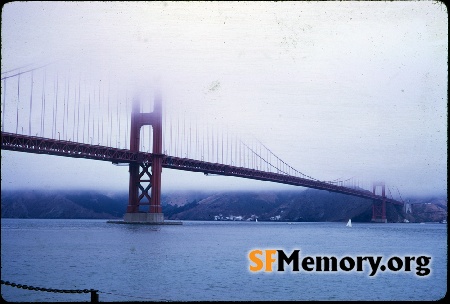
{"points": [[48, 112]]}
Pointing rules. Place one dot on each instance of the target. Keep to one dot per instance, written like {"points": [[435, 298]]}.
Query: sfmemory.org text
{"points": [[264, 260]]}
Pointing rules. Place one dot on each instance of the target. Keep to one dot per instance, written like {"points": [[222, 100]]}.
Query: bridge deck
{"points": [[39, 145]]}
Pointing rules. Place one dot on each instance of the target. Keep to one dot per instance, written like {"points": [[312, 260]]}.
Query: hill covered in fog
{"points": [[296, 205]]}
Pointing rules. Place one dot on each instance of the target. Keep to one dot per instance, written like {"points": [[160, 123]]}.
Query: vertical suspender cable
{"points": [[31, 105], [99, 116], [127, 114], [53, 114], [171, 145], [56, 104], [45, 103], [93, 119], [252, 149], [151, 130], [260, 158], [84, 119], [184, 136], [67, 114], [110, 120], [74, 112], [248, 158], [118, 118], [164, 137], [207, 142], [203, 146], [240, 153], [18, 100], [177, 134], [231, 150], [217, 145], [190, 143], [78, 112], [89, 118], [143, 142], [110, 134], [4, 102], [197, 145], [236, 158], [227, 150], [64, 110], [212, 143], [100, 112], [108, 142], [254, 154], [42, 107]]}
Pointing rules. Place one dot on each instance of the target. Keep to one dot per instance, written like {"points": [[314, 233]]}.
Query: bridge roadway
{"points": [[40, 145]]}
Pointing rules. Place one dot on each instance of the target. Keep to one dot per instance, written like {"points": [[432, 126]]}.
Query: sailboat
{"points": [[349, 223], [256, 220]]}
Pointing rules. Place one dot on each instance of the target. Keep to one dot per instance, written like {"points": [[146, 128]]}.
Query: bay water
{"points": [[209, 261]]}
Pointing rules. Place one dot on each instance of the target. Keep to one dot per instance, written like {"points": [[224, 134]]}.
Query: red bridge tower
{"points": [[140, 177], [379, 206]]}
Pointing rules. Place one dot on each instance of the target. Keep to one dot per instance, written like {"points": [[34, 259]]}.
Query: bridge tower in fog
{"points": [[408, 207], [379, 206], [149, 183]]}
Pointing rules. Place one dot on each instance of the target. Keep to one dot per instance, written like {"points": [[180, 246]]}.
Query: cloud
{"points": [[326, 86]]}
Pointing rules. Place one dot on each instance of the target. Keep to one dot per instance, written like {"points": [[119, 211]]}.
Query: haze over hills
{"points": [[297, 205]]}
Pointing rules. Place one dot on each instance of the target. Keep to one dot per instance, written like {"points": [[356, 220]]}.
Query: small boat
{"points": [[256, 220], [349, 223]]}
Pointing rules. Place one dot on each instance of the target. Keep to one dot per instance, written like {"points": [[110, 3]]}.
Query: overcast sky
{"points": [[336, 89]]}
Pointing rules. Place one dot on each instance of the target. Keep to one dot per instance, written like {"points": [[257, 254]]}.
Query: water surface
{"points": [[208, 261]]}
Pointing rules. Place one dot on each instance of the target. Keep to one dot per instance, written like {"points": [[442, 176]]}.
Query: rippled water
{"points": [[208, 261]]}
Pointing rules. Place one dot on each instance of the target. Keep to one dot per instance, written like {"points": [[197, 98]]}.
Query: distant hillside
{"points": [[307, 206], [180, 198], [297, 205], [61, 204], [428, 210]]}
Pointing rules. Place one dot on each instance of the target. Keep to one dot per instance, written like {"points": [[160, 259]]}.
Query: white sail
{"points": [[349, 223]]}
